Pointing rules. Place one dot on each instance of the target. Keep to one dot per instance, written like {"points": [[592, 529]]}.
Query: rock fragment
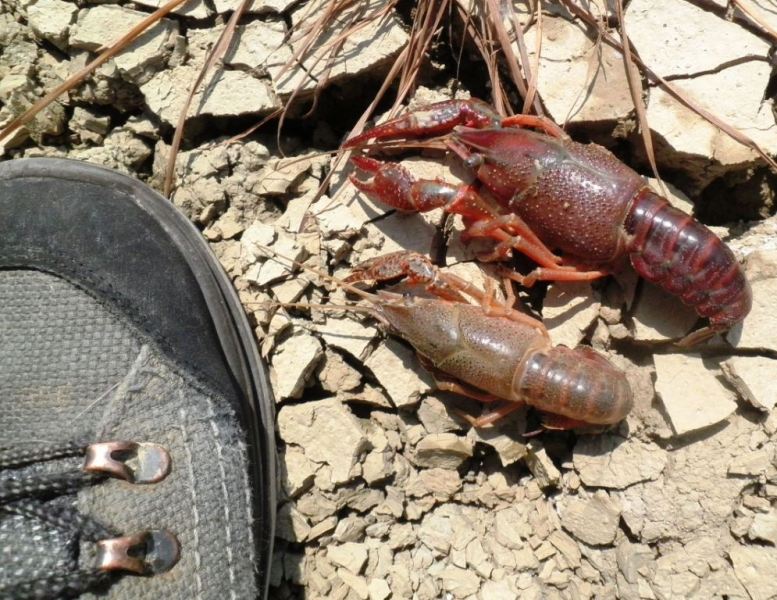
{"points": [[356, 583], [143, 57], [435, 417], [226, 227], [121, 150], [280, 176], [633, 558], [567, 547], [764, 527], [750, 565], [90, 126], [260, 43], [350, 556], [276, 266], [350, 529], [325, 527], [505, 436], [368, 395], [722, 70], [378, 589], [297, 472], [196, 9], [659, 316], [446, 527], [461, 583], [229, 93], [700, 139], [757, 330], [397, 369], [701, 41], [753, 378], [594, 520], [568, 311], [336, 375], [568, 51], [260, 6], [614, 462], [437, 482], [364, 49], [51, 19], [292, 524], [753, 463], [335, 220], [696, 496], [545, 472], [347, 334], [256, 236], [690, 392], [478, 558], [293, 361], [496, 590], [511, 528], [327, 432], [444, 450]]}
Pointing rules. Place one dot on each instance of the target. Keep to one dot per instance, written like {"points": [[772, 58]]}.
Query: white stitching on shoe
{"points": [[249, 511], [222, 471], [195, 514]]}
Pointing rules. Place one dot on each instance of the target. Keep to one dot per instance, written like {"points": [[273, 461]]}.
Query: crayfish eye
{"points": [[474, 161]]}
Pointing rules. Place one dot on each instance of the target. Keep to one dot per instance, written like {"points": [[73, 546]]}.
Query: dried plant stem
{"points": [[752, 13], [217, 52], [635, 87]]}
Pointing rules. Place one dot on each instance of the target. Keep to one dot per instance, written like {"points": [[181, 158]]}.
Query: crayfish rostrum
{"points": [[538, 192]]}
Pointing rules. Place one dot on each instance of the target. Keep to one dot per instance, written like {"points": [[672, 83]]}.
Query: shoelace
{"points": [[29, 496]]}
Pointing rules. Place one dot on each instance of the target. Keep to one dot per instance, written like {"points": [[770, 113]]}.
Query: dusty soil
{"points": [[386, 491]]}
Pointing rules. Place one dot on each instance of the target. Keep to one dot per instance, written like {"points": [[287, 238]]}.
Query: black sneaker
{"points": [[137, 454]]}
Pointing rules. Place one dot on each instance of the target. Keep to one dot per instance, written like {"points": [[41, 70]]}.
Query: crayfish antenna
{"points": [[275, 255], [374, 313], [376, 300]]}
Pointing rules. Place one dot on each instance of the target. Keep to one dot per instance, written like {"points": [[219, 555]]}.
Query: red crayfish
{"points": [[539, 191]]}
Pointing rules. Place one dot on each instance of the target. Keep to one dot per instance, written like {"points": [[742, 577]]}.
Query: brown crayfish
{"points": [[537, 191], [482, 348]]}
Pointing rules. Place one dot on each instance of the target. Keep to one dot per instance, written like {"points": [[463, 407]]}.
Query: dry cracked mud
{"points": [[386, 492]]}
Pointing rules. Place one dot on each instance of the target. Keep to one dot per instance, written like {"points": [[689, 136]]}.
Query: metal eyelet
{"points": [[145, 553], [136, 462]]}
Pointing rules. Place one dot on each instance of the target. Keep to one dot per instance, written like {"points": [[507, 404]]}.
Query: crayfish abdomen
{"points": [[679, 254], [576, 383]]}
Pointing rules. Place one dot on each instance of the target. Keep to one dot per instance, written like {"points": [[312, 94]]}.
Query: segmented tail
{"points": [[679, 254], [579, 384]]}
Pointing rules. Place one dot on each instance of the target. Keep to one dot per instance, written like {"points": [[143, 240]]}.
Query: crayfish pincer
{"points": [[485, 349], [536, 191]]}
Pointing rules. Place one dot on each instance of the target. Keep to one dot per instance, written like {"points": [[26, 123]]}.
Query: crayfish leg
{"points": [[445, 383], [544, 124], [562, 423], [696, 337], [492, 416], [555, 274], [512, 233]]}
